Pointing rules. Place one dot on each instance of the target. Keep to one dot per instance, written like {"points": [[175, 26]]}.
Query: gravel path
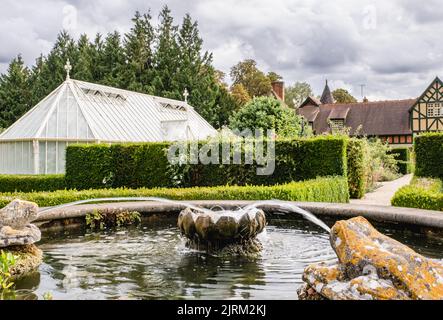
{"points": [[382, 196]]}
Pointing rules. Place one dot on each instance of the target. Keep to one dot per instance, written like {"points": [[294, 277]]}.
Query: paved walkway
{"points": [[382, 196]]}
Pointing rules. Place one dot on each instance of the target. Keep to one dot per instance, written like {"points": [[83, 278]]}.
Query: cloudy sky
{"points": [[393, 47]]}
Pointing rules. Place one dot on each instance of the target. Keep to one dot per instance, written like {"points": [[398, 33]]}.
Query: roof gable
{"points": [[79, 110]]}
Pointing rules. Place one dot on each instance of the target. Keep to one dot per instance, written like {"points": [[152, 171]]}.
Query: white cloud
{"points": [[392, 47]]}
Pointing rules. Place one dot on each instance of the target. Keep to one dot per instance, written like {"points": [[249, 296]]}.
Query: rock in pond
{"points": [[372, 266], [18, 214], [28, 259], [15, 227]]}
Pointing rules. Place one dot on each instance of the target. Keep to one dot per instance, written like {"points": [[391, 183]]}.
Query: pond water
{"points": [[152, 262]]}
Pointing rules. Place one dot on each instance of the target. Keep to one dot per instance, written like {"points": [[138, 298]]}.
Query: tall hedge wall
{"points": [[146, 165], [88, 166], [403, 157], [357, 167], [429, 155]]}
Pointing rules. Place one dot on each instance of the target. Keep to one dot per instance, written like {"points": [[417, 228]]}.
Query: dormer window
{"points": [[337, 124]]}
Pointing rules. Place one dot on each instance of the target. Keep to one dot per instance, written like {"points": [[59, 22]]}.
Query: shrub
{"points": [[267, 113], [403, 157], [326, 189], [428, 150], [24, 183], [381, 165], [422, 193], [88, 166], [357, 167], [146, 165]]}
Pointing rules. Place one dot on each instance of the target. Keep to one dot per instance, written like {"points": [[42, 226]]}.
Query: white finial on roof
{"points": [[186, 95], [68, 69]]}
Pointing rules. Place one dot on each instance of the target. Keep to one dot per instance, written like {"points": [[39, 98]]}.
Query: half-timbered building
{"points": [[394, 121]]}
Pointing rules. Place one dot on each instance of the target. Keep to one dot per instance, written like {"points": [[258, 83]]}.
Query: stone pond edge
{"points": [[417, 217]]}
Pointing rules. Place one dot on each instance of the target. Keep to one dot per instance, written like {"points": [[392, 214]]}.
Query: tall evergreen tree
{"points": [[113, 61], [196, 74], [85, 59], [15, 93], [166, 57], [98, 69], [52, 72], [139, 55]]}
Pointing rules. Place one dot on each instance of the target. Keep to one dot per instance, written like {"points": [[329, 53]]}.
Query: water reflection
{"points": [[153, 263]]}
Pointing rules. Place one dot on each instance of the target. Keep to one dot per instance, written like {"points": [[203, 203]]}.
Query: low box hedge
{"points": [[326, 189], [28, 183], [428, 150], [422, 193]]}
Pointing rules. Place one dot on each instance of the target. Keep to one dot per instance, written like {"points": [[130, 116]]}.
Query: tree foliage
{"points": [[267, 113], [163, 60], [247, 74], [343, 96], [14, 92], [296, 94]]}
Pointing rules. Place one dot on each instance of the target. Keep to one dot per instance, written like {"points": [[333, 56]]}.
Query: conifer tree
{"points": [[84, 65], [113, 61], [15, 93], [166, 59], [138, 53]]}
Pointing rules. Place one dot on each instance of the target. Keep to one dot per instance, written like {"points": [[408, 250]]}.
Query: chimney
{"points": [[279, 89]]}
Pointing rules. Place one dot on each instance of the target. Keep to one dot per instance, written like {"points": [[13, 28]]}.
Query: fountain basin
{"points": [[217, 229]]}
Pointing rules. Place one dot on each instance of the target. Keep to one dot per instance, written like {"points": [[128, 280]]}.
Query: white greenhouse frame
{"points": [[81, 112]]}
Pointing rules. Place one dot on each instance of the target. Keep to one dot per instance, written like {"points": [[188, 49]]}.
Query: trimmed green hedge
{"points": [[88, 166], [403, 157], [146, 165], [140, 165], [423, 193], [357, 170], [28, 183], [428, 149], [327, 189]]}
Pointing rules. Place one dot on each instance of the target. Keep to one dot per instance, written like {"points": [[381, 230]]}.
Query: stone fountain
{"points": [[18, 235], [230, 231]]}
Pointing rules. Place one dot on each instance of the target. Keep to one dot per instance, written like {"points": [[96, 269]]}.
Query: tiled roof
{"points": [[375, 118]]}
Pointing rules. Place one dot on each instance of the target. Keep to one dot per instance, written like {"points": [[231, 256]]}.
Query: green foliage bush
{"points": [[326, 189], [422, 193], [267, 113], [25, 183], [357, 167], [428, 150], [403, 157]]}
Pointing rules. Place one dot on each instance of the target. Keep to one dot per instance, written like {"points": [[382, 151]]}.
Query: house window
{"points": [[435, 109], [336, 124]]}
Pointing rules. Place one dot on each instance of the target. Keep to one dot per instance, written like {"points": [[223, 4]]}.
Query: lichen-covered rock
{"points": [[28, 258], [15, 227], [18, 214], [331, 283], [373, 266], [12, 237]]}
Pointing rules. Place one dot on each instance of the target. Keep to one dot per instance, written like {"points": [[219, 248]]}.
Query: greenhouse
{"points": [[81, 112]]}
